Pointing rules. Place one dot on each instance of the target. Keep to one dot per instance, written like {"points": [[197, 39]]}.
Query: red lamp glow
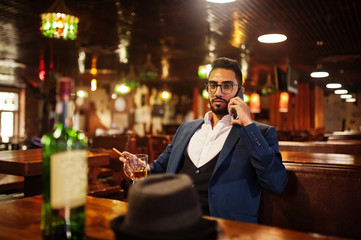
{"points": [[283, 106], [255, 103], [42, 75]]}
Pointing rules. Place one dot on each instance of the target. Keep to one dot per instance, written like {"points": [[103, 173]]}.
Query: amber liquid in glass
{"points": [[138, 175]]}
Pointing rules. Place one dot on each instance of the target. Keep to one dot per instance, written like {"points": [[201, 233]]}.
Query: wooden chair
{"points": [[300, 135], [318, 198], [283, 135], [120, 142], [157, 144], [108, 181]]}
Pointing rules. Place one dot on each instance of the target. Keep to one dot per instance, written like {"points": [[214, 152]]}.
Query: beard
{"points": [[219, 110]]}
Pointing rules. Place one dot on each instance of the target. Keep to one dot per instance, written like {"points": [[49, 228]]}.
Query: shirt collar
{"points": [[226, 120]]}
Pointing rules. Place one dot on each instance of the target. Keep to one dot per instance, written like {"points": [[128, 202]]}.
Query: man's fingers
{"points": [[123, 160]]}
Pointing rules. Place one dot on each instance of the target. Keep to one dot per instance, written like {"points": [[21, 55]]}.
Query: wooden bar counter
{"points": [[21, 220]]}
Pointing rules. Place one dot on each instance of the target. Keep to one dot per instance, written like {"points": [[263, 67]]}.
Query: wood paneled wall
{"points": [[302, 107], [305, 109], [319, 108]]}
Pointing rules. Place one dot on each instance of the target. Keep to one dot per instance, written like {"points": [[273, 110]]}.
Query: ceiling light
{"points": [[82, 93], [319, 73], [58, 22], [122, 88], [341, 91], [166, 95], [220, 1], [351, 100], [333, 85], [345, 96], [272, 38], [273, 35]]}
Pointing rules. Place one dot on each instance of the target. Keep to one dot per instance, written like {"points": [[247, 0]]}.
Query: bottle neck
{"points": [[64, 113]]}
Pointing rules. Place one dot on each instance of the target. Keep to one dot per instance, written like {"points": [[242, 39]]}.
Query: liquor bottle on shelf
{"points": [[65, 180]]}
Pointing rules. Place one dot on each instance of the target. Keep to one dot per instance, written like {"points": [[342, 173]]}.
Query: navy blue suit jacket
{"points": [[249, 160]]}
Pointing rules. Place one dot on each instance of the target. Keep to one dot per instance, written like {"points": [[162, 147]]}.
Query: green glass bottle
{"points": [[65, 165]]}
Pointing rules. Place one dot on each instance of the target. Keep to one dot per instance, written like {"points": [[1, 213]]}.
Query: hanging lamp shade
{"points": [[255, 103], [58, 22], [283, 106], [319, 73], [333, 85], [341, 91], [272, 35], [221, 1]]}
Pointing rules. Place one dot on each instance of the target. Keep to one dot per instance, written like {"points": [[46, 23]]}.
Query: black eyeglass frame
{"points": [[221, 86]]}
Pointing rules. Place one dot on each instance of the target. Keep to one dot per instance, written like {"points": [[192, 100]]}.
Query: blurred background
{"points": [[139, 66]]}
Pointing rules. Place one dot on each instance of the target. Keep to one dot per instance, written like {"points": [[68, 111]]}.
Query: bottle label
{"points": [[68, 179]]}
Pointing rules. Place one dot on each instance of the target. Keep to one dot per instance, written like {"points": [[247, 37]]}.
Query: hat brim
{"points": [[204, 229]]}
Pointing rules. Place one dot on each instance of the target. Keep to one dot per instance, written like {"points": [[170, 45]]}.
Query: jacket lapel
{"points": [[182, 143], [228, 145]]}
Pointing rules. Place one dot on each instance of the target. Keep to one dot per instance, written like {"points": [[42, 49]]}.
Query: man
{"points": [[230, 160]]}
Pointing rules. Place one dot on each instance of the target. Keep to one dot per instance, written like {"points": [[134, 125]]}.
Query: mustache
{"points": [[218, 98]]}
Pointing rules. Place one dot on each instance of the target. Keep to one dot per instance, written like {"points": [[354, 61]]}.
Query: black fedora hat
{"points": [[164, 206]]}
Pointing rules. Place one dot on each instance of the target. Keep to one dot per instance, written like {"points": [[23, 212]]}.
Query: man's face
{"points": [[219, 100]]}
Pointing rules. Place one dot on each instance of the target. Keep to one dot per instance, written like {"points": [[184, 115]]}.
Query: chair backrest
{"points": [[318, 198], [120, 142], [157, 144]]}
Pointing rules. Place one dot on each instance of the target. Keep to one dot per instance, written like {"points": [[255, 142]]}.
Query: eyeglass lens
{"points": [[225, 87]]}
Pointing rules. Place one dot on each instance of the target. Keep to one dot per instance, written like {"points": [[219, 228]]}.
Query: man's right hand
{"points": [[128, 161]]}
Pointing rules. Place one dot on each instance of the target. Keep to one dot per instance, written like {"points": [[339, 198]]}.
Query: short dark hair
{"points": [[230, 64]]}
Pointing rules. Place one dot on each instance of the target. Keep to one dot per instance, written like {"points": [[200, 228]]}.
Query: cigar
{"points": [[117, 151]]}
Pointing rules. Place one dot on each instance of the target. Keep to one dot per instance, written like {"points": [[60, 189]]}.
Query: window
{"points": [[9, 115]]}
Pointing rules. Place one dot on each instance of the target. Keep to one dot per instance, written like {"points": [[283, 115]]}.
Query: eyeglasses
{"points": [[225, 87]]}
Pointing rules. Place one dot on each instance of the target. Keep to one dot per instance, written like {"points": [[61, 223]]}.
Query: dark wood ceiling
{"points": [[188, 33]]}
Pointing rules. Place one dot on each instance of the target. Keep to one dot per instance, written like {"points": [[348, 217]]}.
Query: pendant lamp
{"points": [[319, 73], [58, 22], [220, 1], [272, 35], [333, 85]]}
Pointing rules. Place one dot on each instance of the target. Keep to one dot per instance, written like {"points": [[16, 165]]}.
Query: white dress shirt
{"points": [[206, 142]]}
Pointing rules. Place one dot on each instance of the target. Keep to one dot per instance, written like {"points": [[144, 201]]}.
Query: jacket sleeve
{"points": [[265, 156]]}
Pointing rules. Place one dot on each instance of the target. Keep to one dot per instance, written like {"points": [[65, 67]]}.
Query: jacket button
{"points": [[197, 171]]}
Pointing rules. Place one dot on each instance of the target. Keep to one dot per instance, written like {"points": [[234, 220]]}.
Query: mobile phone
{"points": [[239, 94]]}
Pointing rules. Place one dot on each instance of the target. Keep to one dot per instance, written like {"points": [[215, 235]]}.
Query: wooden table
{"points": [[21, 219], [29, 164]]}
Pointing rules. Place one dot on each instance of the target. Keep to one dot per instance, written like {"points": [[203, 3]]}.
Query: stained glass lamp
{"points": [[58, 22]]}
